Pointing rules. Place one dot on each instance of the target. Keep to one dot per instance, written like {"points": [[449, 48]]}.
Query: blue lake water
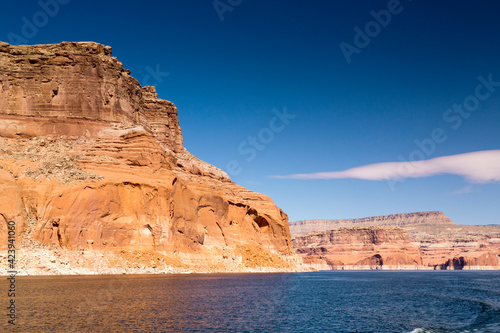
{"points": [[375, 301]]}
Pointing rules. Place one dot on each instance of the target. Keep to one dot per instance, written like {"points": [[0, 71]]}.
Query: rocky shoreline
{"points": [[68, 262]]}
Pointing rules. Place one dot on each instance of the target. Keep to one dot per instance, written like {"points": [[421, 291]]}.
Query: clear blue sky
{"points": [[227, 76]]}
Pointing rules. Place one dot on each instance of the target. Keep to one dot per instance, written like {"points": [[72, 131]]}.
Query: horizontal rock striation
{"points": [[359, 248], [400, 220], [92, 169], [82, 81], [415, 243]]}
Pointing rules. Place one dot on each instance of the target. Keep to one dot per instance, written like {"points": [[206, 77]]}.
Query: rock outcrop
{"points": [[93, 170], [80, 81], [427, 240]]}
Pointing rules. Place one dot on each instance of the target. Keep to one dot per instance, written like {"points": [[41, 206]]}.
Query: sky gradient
{"points": [[268, 88]]}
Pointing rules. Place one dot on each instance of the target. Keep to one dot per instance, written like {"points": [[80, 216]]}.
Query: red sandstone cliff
{"points": [[93, 171], [427, 240], [359, 248]]}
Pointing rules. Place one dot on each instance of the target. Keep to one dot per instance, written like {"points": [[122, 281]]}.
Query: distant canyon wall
{"points": [[394, 220], [426, 240]]}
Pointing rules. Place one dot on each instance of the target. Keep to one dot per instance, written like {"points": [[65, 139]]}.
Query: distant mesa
{"points": [[425, 240], [395, 220]]}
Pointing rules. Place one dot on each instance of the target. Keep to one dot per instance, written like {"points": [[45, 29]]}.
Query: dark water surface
{"points": [[440, 301]]}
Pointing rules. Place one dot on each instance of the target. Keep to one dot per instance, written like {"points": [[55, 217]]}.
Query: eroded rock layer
{"points": [[359, 248], [400, 220], [413, 242], [92, 170], [81, 81]]}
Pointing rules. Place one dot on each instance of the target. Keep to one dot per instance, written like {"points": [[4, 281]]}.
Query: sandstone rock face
{"points": [[92, 169], [162, 118], [81, 81], [359, 248], [427, 240], [400, 220]]}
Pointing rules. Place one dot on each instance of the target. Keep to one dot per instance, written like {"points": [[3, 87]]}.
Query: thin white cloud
{"points": [[476, 167], [465, 190]]}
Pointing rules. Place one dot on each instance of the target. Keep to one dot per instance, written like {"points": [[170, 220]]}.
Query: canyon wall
{"points": [[399, 220], [358, 248], [426, 240], [93, 172]]}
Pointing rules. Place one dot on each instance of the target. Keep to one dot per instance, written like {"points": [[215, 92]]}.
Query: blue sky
{"points": [[230, 78]]}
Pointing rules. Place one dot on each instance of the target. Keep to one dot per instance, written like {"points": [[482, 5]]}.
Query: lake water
{"points": [[432, 301]]}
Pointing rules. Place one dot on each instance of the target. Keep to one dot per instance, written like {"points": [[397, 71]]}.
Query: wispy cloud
{"points": [[476, 167], [465, 190]]}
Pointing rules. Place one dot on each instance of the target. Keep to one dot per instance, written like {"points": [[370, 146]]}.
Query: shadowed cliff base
{"points": [[424, 240], [95, 176]]}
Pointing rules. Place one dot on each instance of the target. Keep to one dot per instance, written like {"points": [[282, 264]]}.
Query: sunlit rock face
{"points": [[81, 81], [91, 162]]}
